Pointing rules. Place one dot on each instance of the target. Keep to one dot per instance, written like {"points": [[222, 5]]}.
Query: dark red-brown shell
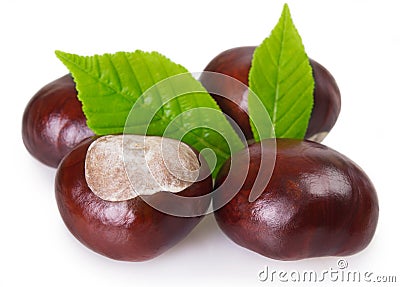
{"points": [[53, 122], [317, 203], [128, 230], [236, 63]]}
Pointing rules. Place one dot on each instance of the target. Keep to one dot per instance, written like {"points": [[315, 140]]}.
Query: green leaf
{"points": [[146, 93], [281, 77]]}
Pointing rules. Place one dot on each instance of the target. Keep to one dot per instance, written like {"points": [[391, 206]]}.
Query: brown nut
{"points": [[236, 63], [317, 203], [125, 226], [53, 122]]}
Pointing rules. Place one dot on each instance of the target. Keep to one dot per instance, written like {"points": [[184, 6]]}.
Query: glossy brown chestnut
{"points": [[317, 203], [53, 122], [129, 230], [236, 63]]}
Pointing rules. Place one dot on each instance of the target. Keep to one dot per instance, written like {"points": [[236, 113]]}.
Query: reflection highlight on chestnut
{"points": [[317, 203], [53, 122], [236, 63], [124, 227]]}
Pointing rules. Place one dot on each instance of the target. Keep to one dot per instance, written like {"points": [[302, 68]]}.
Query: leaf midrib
{"points": [[278, 78]]}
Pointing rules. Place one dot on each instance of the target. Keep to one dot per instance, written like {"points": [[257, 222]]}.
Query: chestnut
{"points": [[316, 203], [112, 200], [53, 122], [236, 63]]}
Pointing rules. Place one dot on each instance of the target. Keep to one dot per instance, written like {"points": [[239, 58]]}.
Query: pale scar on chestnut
{"points": [[112, 160]]}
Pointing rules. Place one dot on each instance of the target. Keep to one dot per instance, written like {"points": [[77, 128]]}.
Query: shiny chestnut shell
{"points": [[128, 230], [236, 63], [317, 203], [53, 122]]}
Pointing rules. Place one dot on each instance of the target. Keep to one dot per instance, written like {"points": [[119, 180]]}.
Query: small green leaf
{"points": [[146, 93], [281, 77]]}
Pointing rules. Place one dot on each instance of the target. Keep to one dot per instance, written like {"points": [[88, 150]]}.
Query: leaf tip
{"points": [[286, 6], [286, 13], [286, 9], [59, 54]]}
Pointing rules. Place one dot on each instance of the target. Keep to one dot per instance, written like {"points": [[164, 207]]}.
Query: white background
{"points": [[358, 41]]}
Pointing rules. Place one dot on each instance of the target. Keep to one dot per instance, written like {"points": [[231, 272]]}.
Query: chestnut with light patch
{"points": [[98, 186]]}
